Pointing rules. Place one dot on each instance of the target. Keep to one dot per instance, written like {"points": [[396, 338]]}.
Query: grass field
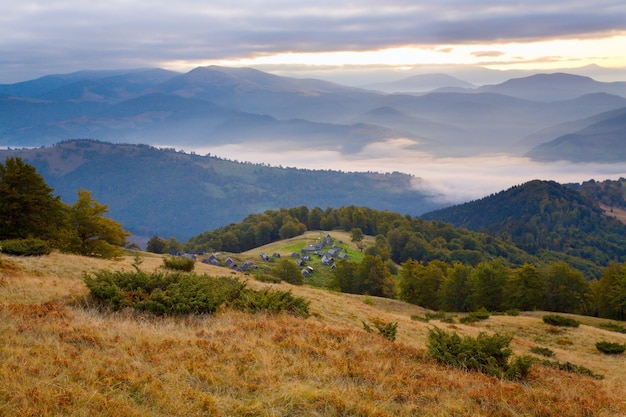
{"points": [[63, 356]]}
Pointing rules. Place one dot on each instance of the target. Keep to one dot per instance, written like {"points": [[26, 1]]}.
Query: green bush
{"points": [[163, 293], [271, 301], [179, 293], [519, 368], [556, 320], [25, 247], [572, 368], [543, 351], [179, 264], [388, 330], [610, 347], [475, 316], [441, 316], [614, 327], [267, 278], [486, 354]]}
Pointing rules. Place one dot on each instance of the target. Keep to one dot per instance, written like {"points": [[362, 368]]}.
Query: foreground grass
{"points": [[63, 356]]}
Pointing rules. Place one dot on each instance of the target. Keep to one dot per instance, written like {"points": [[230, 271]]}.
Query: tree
{"points": [[487, 282], [373, 277], [568, 291], [156, 244], [610, 292], [344, 277], [288, 271], [356, 234], [27, 206], [90, 232], [526, 289], [454, 291], [291, 229]]}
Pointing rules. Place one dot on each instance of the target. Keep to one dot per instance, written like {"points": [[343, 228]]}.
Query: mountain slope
{"points": [[63, 355], [213, 105], [544, 215], [419, 83], [602, 141], [169, 193], [554, 87]]}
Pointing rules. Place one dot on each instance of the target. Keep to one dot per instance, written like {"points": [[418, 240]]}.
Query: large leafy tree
{"points": [[454, 291], [90, 232], [27, 205], [568, 290], [526, 289], [487, 282]]}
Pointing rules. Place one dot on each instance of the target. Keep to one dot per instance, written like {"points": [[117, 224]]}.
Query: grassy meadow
{"points": [[64, 356]]}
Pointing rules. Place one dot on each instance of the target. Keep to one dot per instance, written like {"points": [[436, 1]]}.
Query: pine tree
{"points": [[27, 206]]}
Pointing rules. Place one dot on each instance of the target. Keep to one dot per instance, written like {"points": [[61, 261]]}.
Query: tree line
{"points": [[29, 210]]}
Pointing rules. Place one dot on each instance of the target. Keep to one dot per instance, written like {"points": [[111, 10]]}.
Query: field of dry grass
{"points": [[62, 356]]}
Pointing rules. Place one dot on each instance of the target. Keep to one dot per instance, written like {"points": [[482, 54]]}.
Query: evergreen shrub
{"points": [[388, 330], [177, 293], [475, 316], [556, 320], [543, 351], [486, 354], [610, 348], [25, 247], [179, 264]]}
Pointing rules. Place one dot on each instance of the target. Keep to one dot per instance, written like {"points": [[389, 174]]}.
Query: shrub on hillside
{"points": [[556, 320], [610, 348], [271, 301], [486, 354], [179, 264], [181, 293], [386, 329], [25, 247], [543, 351], [475, 316], [614, 327]]}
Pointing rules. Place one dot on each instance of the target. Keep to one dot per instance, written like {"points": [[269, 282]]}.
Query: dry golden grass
{"points": [[62, 356]]}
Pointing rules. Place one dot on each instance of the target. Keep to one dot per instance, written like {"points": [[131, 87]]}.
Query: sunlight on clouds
{"points": [[607, 52]]}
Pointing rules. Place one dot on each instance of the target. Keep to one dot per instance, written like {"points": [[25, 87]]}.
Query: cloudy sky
{"points": [[40, 37]]}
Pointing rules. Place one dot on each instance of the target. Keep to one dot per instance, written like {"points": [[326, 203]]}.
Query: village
{"points": [[325, 250]]}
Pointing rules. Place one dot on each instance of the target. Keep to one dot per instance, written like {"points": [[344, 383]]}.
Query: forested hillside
{"points": [[544, 216], [169, 193]]}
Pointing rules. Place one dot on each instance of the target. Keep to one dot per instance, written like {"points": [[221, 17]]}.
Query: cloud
{"points": [[452, 180], [59, 34], [491, 54]]}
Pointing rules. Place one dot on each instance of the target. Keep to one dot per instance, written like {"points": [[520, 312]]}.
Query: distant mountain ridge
{"points": [[214, 105], [603, 140]]}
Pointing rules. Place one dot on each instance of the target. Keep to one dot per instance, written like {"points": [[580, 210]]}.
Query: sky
{"points": [[39, 37]]}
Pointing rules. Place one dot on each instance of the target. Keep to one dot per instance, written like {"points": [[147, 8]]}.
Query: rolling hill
{"points": [[152, 191]]}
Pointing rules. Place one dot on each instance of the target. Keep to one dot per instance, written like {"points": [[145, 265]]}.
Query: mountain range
{"points": [[212, 106]]}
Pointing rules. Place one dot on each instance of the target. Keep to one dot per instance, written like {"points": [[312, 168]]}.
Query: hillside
{"points": [[152, 191], [64, 356], [604, 140], [544, 216]]}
